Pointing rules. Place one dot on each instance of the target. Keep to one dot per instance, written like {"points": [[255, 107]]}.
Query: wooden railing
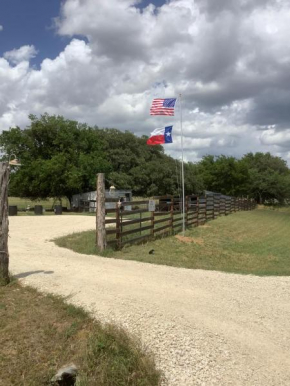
{"points": [[133, 223]]}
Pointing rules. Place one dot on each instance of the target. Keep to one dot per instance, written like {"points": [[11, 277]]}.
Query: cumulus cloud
{"points": [[24, 53], [272, 137], [1, 27], [229, 59]]}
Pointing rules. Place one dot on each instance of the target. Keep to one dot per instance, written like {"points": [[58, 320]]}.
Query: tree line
{"points": [[61, 157]]}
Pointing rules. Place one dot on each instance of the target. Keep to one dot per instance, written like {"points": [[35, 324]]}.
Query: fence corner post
{"points": [[101, 213]]}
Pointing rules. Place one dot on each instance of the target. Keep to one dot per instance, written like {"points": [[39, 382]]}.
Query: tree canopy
{"points": [[260, 176], [61, 157]]}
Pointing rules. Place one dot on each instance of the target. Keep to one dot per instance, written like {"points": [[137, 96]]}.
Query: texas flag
{"points": [[160, 136]]}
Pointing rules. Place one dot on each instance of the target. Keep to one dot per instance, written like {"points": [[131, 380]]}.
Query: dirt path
{"points": [[206, 328]]}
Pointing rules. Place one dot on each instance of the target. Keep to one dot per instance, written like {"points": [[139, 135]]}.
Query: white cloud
{"points": [[228, 62], [1, 27], [24, 53], [278, 138]]}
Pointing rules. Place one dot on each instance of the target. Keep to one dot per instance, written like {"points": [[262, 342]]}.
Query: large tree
{"points": [[59, 157], [224, 174], [269, 177]]}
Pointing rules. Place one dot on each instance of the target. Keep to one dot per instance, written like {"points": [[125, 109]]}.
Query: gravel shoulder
{"points": [[205, 328]]}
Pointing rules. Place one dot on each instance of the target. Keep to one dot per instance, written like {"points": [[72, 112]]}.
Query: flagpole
{"points": [[182, 170]]}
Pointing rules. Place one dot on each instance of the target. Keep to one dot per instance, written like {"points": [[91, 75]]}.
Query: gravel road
{"points": [[205, 328]]}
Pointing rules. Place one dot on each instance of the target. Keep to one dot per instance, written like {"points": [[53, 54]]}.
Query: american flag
{"points": [[163, 106]]}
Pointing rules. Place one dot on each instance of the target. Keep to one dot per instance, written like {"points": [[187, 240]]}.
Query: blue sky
{"points": [[31, 22], [157, 3]]}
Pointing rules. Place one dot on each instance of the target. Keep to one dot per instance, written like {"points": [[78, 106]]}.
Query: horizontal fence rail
{"points": [[141, 223]]}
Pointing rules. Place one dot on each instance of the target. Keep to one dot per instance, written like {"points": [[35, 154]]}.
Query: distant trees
{"points": [[259, 176], [61, 157]]}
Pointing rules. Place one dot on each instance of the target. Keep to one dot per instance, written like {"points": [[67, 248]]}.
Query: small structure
{"points": [[86, 202]]}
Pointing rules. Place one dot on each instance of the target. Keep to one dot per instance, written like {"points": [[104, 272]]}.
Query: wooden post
{"points": [[219, 205], [140, 224], [186, 210], [4, 223], [171, 212], [197, 211], [152, 224], [118, 226], [100, 213]]}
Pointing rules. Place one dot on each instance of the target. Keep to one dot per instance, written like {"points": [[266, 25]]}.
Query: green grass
{"points": [[254, 242], [49, 203], [51, 213], [40, 334]]}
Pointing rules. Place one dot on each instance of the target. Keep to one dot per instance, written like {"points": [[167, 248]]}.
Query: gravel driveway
{"points": [[206, 328]]}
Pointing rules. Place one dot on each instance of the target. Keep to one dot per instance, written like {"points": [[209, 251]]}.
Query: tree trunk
{"points": [[100, 213], [70, 199], [4, 223]]}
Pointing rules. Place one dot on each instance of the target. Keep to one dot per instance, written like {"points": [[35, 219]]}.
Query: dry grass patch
{"points": [[40, 334], [185, 239]]}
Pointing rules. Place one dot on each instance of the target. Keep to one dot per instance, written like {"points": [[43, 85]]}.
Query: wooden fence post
{"points": [[152, 224], [171, 212], [4, 223], [101, 213], [197, 210], [186, 210], [118, 226], [140, 224]]}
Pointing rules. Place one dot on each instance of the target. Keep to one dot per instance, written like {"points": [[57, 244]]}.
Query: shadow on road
{"points": [[25, 274]]}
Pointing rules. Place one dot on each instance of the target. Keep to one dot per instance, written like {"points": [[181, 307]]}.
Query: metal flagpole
{"points": [[177, 177], [182, 170]]}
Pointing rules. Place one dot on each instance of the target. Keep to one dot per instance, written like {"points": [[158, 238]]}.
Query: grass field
{"points": [[40, 334], [51, 213], [22, 203], [254, 242]]}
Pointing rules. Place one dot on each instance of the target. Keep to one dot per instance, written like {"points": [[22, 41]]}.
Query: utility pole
{"points": [[4, 223], [100, 213]]}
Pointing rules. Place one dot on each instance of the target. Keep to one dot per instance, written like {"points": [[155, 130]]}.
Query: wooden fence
{"points": [[132, 222]]}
